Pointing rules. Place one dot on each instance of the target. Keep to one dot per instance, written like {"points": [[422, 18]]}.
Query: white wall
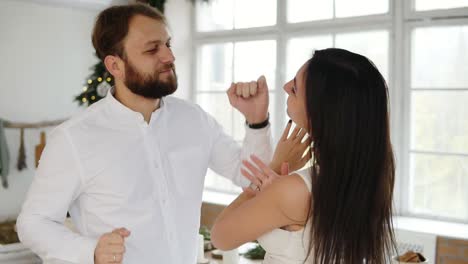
{"points": [[178, 13], [46, 55]]}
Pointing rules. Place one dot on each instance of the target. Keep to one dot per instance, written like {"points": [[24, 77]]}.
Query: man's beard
{"points": [[149, 86]]}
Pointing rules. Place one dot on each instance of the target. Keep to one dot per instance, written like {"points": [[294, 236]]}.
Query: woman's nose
{"points": [[287, 88]]}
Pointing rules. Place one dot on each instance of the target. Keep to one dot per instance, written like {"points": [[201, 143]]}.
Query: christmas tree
{"points": [[97, 85]]}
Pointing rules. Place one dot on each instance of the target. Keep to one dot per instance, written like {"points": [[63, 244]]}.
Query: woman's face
{"points": [[296, 98]]}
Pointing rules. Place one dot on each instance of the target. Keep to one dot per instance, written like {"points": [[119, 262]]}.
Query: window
{"points": [[218, 65], [438, 149], [419, 46]]}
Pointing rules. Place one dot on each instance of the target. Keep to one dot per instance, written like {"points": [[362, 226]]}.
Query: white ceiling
{"points": [[86, 4]]}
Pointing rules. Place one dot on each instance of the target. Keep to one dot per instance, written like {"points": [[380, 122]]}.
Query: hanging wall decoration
{"points": [[21, 153], [21, 163]]}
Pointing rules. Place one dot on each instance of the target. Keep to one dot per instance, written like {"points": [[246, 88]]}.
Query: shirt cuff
{"points": [[86, 254]]}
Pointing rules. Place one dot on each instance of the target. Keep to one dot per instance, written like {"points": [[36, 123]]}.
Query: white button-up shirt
{"points": [[111, 169]]}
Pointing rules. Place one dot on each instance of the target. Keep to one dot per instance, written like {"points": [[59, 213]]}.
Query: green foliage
{"points": [[205, 232], [159, 4], [255, 253]]}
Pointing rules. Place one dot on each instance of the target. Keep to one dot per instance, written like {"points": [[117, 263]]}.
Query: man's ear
{"points": [[115, 66]]}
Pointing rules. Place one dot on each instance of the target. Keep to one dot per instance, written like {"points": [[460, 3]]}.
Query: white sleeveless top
{"points": [[288, 247]]}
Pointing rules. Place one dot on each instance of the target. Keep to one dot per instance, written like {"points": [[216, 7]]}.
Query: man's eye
{"points": [[152, 50], [168, 45]]}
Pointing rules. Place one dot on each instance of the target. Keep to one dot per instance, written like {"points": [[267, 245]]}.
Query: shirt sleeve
{"points": [[57, 183], [227, 154]]}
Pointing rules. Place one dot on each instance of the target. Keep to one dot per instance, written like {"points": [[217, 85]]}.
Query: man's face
{"points": [[149, 62]]}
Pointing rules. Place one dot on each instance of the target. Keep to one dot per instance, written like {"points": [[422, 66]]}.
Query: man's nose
{"points": [[166, 55]]}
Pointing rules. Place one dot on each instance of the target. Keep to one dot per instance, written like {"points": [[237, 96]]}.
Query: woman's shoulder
{"points": [[306, 175], [293, 196]]}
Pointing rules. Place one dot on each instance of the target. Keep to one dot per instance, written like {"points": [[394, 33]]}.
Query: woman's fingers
{"points": [[250, 166], [295, 132], [303, 146], [286, 130], [251, 178], [308, 141], [300, 136], [258, 178], [256, 172], [263, 167], [307, 156], [249, 190]]}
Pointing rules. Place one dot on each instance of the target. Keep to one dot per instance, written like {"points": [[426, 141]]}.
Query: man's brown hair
{"points": [[112, 25]]}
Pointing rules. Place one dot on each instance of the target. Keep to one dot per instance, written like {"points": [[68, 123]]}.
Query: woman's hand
{"points": [[260, 175], [291, 149]]}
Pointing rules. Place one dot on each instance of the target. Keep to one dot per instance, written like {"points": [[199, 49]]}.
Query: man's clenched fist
{"points": [[111, 247]]}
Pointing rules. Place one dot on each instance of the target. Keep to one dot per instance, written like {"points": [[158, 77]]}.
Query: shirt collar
{"points": [[123, 112]]}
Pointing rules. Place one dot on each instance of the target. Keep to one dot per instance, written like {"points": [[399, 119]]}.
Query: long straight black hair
{"points": [[353, 172]]}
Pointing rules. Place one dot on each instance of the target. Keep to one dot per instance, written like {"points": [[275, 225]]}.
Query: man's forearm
{"points": [[53, 240]]}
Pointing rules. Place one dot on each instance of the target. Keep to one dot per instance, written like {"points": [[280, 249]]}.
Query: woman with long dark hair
{"points": [[340, 209]]}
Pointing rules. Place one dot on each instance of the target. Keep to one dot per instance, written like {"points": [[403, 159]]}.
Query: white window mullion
{"points": [[334, 9], [436, 14], [193, 56], [405, 98], [280, 102], [396, 91]]}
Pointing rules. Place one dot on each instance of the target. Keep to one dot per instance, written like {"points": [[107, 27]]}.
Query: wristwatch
{"points": [[259, 125]]}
